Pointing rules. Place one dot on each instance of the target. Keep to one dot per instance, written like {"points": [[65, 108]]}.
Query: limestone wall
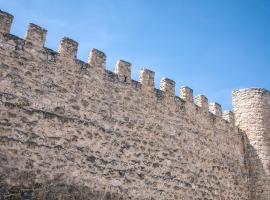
{"points": [[252, 114], [73, 130]]}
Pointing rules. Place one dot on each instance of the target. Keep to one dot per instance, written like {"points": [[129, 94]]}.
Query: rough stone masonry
{"points": [[74, 130]]}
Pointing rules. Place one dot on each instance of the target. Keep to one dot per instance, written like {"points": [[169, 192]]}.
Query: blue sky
{"points": [[211, 46]]}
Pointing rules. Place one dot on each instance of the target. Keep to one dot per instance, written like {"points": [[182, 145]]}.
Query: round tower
{"points": [[252, 114]]}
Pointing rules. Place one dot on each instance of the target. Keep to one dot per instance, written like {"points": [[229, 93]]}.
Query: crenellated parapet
{"points": [[186, 93], [97, 59], [215, 108], [147, 79], [168, 87], [35, 39], [116, 133], [228, 116], [68, 48], [36, 35], [202, 102], [123, 70], [6, 20]]}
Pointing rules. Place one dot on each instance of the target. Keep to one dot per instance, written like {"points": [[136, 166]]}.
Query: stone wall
{"points": [[74, 130], [252, 114]]}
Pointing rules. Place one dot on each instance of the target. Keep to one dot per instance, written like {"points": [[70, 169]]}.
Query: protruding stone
{"points": [[201, 101], [68, 48], [36, 35], [186, 94], [215, 108], [147, 78], [228, 116], [97, 59], [123, 70], [168, 86], [5, 21]]}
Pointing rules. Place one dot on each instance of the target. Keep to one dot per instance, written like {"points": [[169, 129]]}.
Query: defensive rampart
{"points": [[74, 130]]}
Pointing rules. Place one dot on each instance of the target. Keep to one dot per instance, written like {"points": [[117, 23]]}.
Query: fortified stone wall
{"points": [[74, 130], [252, 112]]}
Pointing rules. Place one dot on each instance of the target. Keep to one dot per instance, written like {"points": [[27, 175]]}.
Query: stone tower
{"points": [[252, 115]]}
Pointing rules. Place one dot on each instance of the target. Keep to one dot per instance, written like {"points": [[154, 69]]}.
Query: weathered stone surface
{"points": [[74, 130], [252, 112]]}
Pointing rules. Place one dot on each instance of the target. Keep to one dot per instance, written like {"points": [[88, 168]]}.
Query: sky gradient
{"points": [[211, 46]]}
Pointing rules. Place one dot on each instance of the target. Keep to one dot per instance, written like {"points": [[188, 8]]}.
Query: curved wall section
{"points": [[252, 114]]}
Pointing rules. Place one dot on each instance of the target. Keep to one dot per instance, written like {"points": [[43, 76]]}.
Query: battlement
{"points": [[186, 93], [123, 70], [68, 48], [80, 123], [6, 20], [97, 59], [147, 79], [36, 35]]}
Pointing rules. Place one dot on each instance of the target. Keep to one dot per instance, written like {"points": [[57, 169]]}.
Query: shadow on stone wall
{"points": [[16, 184], [256, 173], [53, 190]]}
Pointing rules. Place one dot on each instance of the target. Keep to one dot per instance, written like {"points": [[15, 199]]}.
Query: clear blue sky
{"points": [[212, 46]]}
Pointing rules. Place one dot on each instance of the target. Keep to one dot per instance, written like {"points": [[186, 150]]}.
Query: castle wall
{"points": [[73, 129], [252, 114]]}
